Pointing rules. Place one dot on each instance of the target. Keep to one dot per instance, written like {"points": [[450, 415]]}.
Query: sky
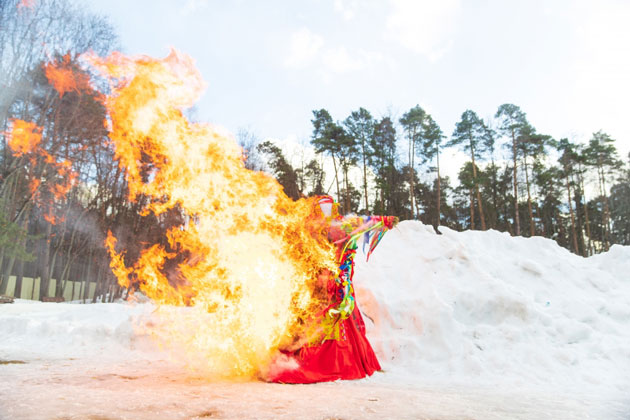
{"points": [[269, 64]]}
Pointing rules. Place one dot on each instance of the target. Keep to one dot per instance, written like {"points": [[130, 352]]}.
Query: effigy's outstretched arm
{"points": [[373, 227]]}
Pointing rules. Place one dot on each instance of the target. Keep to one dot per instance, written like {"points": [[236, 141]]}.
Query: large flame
{"points": [[247, 258]]}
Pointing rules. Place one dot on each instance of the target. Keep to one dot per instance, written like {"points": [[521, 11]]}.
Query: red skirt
{"points": [[350, 357]]}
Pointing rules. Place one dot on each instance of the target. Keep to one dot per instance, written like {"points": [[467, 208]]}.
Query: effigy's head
{"points": [[322, 214], [328, 208]]}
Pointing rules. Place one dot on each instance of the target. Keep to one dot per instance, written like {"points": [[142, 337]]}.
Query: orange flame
{"points": [[248, 256], [24, 137], [33, 185], [64, 78]]}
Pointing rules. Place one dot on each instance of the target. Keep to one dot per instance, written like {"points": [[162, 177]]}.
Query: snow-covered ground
{"points": [[473, 325]]}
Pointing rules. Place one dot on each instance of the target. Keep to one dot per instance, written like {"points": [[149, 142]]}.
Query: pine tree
{"points": [[281, 168], [549, 182], [531, 145], [470, 133], [567, 161], [582, 166], [412, 122], [620, 208], [467, 190], [360, 126], [348, 157], [602, 154], [512, 120], [314, 176], [489, 146], [431, 141], [383, 162], [324, 139]]}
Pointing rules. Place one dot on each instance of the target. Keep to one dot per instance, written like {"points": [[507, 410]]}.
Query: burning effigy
{"points": [[249, 277], [335, 345]]}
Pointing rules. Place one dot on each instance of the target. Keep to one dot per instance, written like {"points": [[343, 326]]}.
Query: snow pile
{"points": [[488, 308], [101, 332]]}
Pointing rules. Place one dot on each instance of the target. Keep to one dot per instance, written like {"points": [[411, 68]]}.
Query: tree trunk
{"points": [[113, 291], [472, 210], [45, 272], [4, 280], [561, 232], [20, 271], [70, 257], [74, 283], [58, 278], [532, 228], [60, 235], [474, 167], [607, 226], [348, 200], [18, 280], [7, 275], [336, 175], [86, 276], [3, 284], [382, 201], [412, 196], [589, 250], [573, 232], [495, 221], [99, 281], [517, 222], [439, 192], [365, 191], [81, 288], [579, 223], [600, 177], [65, 275]]}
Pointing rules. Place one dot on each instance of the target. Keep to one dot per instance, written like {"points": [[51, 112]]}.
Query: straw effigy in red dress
{"points": [[342, 350]]}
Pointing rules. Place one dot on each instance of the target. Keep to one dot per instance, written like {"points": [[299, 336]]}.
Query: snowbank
{"points": [[489, 308], [101, 332]]}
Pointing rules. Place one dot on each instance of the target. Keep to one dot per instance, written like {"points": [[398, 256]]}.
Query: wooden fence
{"points": [[72, 290]]}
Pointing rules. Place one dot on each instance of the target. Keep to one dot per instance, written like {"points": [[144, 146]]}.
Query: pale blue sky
{"points": [[268, 64]]}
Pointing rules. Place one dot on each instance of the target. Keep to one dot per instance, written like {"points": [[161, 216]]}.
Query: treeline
{"points": [[515, 179]]}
